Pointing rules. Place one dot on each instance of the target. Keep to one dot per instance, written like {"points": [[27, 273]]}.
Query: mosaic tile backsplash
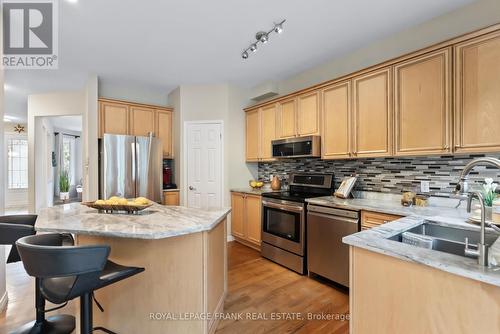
{"points": [[389, 175]]}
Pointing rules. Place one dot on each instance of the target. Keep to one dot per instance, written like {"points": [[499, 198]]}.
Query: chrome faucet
{"points": [[482, 249], [462, 188]]}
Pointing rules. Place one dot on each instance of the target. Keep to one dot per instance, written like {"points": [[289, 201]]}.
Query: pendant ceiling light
{"points": [[262, 37]]}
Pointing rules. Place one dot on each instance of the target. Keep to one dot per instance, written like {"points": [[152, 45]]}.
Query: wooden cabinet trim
{"points": [[459, 50], [324, 130], [136, 104], [388, 98], [370, 219], [445, 147], [280, 134], [299, 114]]}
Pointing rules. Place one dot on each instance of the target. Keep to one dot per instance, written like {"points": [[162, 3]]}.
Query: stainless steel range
{"points": [[284, 219]]}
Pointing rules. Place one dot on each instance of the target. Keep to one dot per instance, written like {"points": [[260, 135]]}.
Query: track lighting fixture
{"points": [[262, 37]]}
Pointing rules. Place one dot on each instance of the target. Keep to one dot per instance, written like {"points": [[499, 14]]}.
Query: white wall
{"points": [[84, 103], [214, 102], [475, 16], [44, 172], [3, 291], [133, 93]]}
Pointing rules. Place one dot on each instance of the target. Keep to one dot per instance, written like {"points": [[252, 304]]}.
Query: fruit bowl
{"points": [[256, 184], [111, 206]]}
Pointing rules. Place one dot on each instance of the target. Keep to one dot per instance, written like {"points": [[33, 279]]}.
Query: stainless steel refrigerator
{"points": [[130, 167]]}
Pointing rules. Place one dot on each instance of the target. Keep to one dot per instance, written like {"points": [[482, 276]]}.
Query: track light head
{"points": [[262, 36], [253, 47], [244, 55], [278, 28]]}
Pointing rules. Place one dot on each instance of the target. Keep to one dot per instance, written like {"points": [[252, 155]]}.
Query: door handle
{"points": [[192, 188]]}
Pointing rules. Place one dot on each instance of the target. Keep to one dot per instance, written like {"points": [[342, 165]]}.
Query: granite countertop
{"points": [[440, 212], [252, 191], [155, 222]]}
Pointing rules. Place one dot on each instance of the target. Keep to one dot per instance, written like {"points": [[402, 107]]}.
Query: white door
{"points": [[204, 165]]}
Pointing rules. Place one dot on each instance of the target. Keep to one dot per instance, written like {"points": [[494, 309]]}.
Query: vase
{"points": [[64, 196]]}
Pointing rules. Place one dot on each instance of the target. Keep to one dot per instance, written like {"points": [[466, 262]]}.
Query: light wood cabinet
{"points": [[267, 132], [253, 218], [128, 118], [246, 211], [422, 105], [287, 118], [308, 115], [477, 94], [163, 131], [142, 121], [171, 198], [113, 118], [371, 219], [252, 135], [336, 132], [372, 114]]}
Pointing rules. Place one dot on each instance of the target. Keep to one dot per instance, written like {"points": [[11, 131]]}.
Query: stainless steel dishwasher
{"points": [[327, 256]]}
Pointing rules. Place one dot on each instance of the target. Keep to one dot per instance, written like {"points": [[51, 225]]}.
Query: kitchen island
{"points": [[183, 251]]}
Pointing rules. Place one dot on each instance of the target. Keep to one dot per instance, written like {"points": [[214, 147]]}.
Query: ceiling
{"points": [[158, 45], [69, 123]]}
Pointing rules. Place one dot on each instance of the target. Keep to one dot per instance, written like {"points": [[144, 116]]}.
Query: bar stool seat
{"points": [[68, 272], [12, 228]]}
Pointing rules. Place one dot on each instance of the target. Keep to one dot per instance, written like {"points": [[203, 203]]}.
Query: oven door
{"points": [[283, 225]]}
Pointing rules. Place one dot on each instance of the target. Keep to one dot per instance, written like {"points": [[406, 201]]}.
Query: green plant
{"points": [[489, 191], [64, 182]]}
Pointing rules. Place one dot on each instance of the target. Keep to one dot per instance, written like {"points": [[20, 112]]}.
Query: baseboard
{"points": [[230, 238], [3, 302]]}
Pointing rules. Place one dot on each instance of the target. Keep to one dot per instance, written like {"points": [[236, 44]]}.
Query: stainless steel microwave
{"points": [[299, 147]]}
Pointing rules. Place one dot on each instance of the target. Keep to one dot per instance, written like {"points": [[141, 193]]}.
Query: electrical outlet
{"points": [[424, 186]]}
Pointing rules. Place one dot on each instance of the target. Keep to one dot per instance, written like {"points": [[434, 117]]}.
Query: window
{"points": [[17, 163]]}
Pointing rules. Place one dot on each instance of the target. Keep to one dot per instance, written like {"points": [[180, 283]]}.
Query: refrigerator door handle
{"points": [[134, 168]]}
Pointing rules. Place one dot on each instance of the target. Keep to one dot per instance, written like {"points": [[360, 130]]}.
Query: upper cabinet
{"points": [[477, 94], [260, 132], [268, 131], [308, 115], [372, 114], [336, 116], [127, 118], [422, 105], [163, 130], [287, 118], [252, 118], [142, 121], [113, 118]]}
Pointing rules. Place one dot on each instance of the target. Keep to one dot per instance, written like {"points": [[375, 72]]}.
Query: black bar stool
{"points": [[12, 228], [67, 272]]}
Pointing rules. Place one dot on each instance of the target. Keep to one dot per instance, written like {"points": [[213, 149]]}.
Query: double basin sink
{"points": [[446, 239]]}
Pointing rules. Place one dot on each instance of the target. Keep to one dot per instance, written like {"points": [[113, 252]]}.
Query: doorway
{"points": [[203, 170]]}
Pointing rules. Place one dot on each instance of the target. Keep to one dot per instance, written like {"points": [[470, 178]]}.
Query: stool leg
{"points": [[39, 303], [86, 313]]}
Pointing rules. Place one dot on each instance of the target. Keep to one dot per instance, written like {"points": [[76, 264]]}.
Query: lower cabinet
{"points": [[246, 216], [371, 219], [171, 198]]}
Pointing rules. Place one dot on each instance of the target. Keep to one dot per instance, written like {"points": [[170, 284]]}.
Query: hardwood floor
{"points": [[260, 288], [257, 288]]}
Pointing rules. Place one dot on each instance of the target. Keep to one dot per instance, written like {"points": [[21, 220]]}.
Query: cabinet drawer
{"points": [[371, 219]]}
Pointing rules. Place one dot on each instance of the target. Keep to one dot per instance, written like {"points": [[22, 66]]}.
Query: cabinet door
{"points": [[336, 133], [114, 118], [253, 217], [141, 121], [371, 219], [268, 131], [287, 119], [477, 94], [252, 135], [372, 114], [170, 198], [237, 215], [308, 114], [163, 131], [422, 105]]}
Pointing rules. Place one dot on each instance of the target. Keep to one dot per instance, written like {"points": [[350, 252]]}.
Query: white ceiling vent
{"points": [[264, 91]]}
